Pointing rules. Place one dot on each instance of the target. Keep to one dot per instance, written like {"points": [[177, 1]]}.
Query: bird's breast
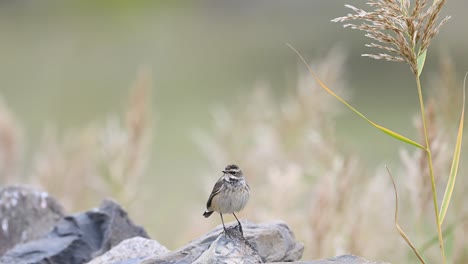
{"points": [[232, 199]]}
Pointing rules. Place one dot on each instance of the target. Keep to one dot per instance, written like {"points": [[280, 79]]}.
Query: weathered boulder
{"points": [[132, 248], [34, 231], [269, 243], [274, 241], [263, 242], [77, 239], [25, 214], [230, 247]]}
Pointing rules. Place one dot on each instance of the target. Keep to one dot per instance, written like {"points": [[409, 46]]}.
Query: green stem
{"points": [[431, 171]]}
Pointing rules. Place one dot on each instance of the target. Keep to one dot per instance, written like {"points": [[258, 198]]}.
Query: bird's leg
{"points": [[222, 220], [240, 226]]}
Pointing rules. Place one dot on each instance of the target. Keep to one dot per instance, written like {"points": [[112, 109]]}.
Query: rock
{"points": [[77, 239], [273, 242], [34, 231], [118, 227], [230, 247], [25, 215], [270, 243], [345, 259], [135, 248]]}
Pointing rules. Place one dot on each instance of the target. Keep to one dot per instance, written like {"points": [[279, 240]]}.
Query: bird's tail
{"points": [[207, 214]]}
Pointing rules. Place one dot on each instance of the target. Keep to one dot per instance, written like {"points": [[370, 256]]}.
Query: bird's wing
{"points": [[216, 189]]}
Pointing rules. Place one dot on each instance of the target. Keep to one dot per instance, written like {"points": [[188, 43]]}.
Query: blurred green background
{"points": [[72, 62]]}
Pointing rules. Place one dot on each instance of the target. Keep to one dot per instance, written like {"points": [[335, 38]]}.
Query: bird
{"points": [[230, 194]]}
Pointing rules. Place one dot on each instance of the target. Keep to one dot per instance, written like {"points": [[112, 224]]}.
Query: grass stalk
{"points": [[397, 225], [431, 170]]}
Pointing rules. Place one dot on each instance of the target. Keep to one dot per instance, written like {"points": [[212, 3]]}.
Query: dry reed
{"points": [[399, 28], [300, 172]]}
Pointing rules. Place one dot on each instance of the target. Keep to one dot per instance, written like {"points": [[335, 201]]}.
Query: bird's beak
{"points": [[224, 171]]}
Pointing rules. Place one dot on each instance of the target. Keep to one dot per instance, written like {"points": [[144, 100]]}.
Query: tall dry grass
{"points": [[82, 166], [403, 31], [301, 172], [298, 168], [11, 145]]}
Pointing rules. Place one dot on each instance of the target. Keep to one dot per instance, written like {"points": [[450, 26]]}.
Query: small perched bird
{"points": [[230, 194]]}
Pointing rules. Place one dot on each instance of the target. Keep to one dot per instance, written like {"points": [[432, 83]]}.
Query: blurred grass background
{"points": [[69, 63]]}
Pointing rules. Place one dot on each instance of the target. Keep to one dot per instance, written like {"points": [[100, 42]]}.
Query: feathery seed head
{"points": [[401, 29]]}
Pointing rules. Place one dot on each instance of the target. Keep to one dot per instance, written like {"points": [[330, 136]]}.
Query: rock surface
{"points": [[230, 247], [25, 214], [263, 243], [77, 239], [133, 248], [272, 241], [345, 259], [34, 231]]}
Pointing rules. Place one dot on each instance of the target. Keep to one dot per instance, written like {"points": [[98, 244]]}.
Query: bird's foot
{"points": [[226, 233], [240, 229]]}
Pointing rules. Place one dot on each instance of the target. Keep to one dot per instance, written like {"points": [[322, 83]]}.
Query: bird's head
{"points": [[233, 170]]}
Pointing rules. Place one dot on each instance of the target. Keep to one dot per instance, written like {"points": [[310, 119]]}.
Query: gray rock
{"points": [[118, 227], [270, 243], [135, 248], [33, 223], [344, 259], [273, 242], [25, 215], [230, 247], [77, 239]]}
